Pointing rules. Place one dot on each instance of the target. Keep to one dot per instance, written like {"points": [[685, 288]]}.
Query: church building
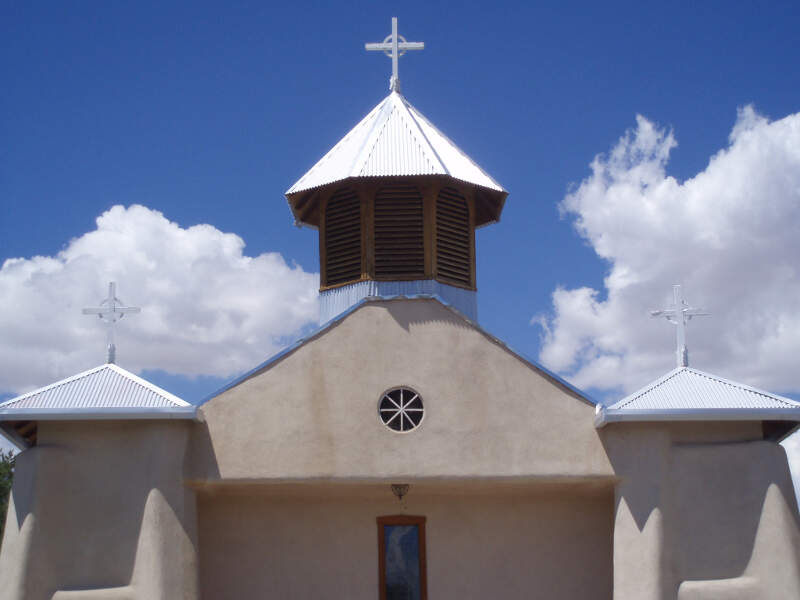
{"points": [[400, 451]]}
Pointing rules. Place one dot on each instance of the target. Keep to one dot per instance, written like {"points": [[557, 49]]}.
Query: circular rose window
{"points": [[401, 409]]}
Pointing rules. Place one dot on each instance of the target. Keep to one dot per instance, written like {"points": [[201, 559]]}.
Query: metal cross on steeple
{"points": [[110, 311], [395, 46], [679, 315]]}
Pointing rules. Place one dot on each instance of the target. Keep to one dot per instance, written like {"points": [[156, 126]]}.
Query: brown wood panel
{"points": [[454, 233], [429, 193], [341, 237], [399, 242], [367, 193], [472, 202]]}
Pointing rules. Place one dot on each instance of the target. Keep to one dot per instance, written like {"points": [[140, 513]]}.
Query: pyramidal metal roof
{"points": [[394, 139], [689, 394], [107, 391]]}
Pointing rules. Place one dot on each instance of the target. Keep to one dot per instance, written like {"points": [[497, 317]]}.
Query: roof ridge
{"points": [[410, 112], [647, 388], [329, 154], [416, 113], [74, 379], [53, 385], [745, 387], [373, 135], [150, 386]]}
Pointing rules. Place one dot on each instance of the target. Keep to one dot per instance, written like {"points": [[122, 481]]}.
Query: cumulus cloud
{"points": [[729, 235], [207, 308]]}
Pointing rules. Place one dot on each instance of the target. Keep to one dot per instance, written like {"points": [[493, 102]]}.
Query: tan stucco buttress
{"points": [[104, 513]]}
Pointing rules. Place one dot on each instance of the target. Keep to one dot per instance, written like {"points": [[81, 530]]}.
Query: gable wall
{"points": [[314, 413]]}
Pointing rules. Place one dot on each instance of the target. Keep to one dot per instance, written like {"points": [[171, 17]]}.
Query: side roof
{"points": [[327, 326], [104, 392], [687, 394]]}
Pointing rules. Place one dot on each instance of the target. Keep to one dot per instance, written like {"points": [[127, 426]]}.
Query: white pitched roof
{"points": [[690, 394], [394, 139], [107, 391]]}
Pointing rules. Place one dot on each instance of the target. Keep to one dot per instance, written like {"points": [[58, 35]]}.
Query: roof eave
{"points": [[7, 431], [99, 414], [606, 416], [308, 217]]}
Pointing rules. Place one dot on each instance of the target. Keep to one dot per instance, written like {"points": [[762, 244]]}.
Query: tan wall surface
{"points": [[702, 511], [108, 508], [15, 554], [314, 413], [292, 466], [323, 544]]}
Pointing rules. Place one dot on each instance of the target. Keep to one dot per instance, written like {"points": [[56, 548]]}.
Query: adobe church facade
{"points": [[400, 451]]}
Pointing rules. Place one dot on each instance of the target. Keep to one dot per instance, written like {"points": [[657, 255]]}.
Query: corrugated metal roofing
{"points": [[393, 139], [689, 389], [105, 387]]}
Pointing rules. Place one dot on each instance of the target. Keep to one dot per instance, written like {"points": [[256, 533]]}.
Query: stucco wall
{"points": [[314, 413], [702, 511], [320, 542], [103, 507], [292, 466]]}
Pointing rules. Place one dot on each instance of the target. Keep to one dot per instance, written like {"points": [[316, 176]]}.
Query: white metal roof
{"points": [[689, 394], [105, 390], [394, 139]]}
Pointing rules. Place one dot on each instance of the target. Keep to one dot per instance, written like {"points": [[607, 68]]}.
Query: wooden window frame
{"points": [[402, 520]]}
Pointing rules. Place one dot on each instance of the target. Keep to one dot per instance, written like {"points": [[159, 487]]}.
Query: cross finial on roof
{"points": [[395, 46], [679, 315], [110, 311]]}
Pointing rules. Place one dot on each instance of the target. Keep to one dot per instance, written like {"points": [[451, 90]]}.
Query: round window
{"points": [[401, 409]]}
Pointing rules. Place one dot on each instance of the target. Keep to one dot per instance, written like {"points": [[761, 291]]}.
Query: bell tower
{"points": [[396, 204]]}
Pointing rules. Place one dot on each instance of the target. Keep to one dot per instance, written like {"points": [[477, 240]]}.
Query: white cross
{"points": [[110, 311], [395, 46], [679, 315]]}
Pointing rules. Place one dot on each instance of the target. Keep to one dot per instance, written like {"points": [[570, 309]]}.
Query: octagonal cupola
{"points": [[396, 204]]}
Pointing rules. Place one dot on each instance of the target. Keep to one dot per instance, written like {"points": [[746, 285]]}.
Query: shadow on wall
{"points": [[719, 501], [201, 459], [406, 314], [87, 485], [711, 495]]}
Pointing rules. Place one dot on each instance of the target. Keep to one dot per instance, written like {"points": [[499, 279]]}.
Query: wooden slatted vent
{"points": [[343, 237], [399, 233], [453, 238]]}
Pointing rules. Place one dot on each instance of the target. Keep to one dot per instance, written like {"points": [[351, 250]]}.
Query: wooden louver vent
{"points": [[399, 233], [453, 237], [342, 237]]}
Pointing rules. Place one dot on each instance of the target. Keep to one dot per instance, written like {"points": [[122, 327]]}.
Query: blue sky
{"points": [[207, 114]]}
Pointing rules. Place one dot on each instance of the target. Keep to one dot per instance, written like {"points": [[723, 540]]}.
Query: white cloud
{"points": [[207, 308], [729, 235]]}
